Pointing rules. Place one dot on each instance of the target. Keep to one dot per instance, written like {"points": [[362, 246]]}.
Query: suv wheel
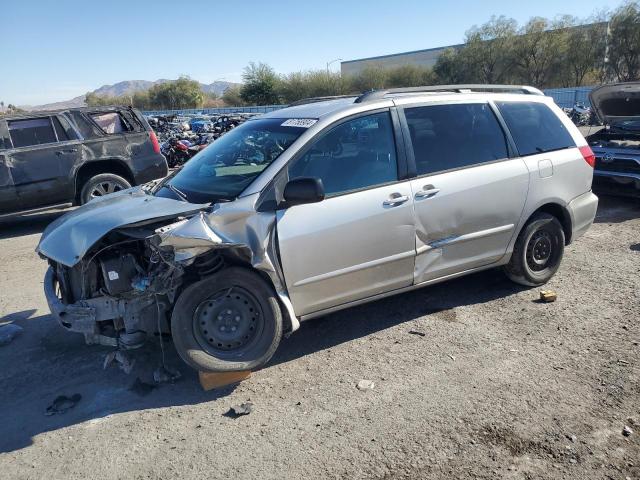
{"points": [[538, 251], [101, 185], [230, 321]]}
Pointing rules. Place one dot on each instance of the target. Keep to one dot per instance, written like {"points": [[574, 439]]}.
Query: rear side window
{"points": [[110, 122], [34, 131], [357, 154], [453, 136], [87, 128], [535, 128]]}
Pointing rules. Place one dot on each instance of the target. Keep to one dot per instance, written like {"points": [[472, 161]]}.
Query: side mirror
{"points": [[303, 190]]}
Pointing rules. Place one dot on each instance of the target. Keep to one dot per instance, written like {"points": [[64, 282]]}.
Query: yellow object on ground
{"points": [[210, 380], [548, 296]]}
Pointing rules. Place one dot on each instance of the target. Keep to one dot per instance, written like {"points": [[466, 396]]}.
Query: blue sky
{"points": [[56, 50]]}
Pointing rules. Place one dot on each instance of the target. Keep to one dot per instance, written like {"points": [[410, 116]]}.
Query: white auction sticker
{"points": [[299, 122]]}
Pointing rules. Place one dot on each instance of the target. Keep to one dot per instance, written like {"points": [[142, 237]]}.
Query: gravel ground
{"points": [[496, 385]]}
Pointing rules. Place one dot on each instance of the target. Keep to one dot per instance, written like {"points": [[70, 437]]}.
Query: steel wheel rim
{"points": [[540, 250], [105, 188], [228, 322]]}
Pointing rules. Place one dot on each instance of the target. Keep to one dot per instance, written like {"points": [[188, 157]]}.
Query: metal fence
{"points": [[568, 97], [564, 97], [203, 111]]}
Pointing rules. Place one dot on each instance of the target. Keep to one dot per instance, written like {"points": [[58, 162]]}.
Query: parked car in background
{"points": [[318, 207], [72, 156], [616, 143]]}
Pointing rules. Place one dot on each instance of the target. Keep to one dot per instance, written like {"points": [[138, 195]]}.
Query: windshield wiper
{"points": [[175, 190]]}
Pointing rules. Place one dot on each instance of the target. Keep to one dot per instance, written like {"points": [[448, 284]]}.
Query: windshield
{"points": [[227, 166]]}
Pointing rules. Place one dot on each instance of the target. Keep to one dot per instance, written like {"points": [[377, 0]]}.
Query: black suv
{"points": [[73, 155]]}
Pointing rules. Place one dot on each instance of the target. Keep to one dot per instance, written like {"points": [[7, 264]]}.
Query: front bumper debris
{"points": [[84, 316]]}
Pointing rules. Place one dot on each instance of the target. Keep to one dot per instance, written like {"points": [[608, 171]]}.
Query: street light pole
{"points": [[332, 61]]}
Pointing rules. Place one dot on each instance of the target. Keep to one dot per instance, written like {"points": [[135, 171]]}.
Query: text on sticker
{"points": [[299, 122]]}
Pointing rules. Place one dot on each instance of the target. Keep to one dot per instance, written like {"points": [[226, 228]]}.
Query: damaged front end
{"points": [[120, 289]]}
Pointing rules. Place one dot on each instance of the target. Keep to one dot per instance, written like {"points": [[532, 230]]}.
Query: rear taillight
{"points": [[154, 141], [588, 155]]}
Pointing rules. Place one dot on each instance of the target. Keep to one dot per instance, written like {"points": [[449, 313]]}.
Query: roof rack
{"points": [[305, 101], [378, 94]]}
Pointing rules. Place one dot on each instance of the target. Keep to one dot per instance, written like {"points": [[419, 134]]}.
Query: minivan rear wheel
{"points": [[102, 184], [538, 251], [230, 321]]}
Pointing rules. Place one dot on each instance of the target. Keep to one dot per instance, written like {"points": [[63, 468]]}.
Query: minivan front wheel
{"points": [[538, 251], [102, 184], [230, 321]]}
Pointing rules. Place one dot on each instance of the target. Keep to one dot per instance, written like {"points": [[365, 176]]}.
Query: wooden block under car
{"points": [[548, 296], [210, 380]]}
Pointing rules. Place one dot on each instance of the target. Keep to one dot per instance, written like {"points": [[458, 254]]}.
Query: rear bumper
{"points": [[582, 210], [150, 168], [617, 183]]}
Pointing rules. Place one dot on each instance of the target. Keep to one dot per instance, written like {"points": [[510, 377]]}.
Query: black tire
{"points": [[104, 182], [206, 311], [538, 251]]}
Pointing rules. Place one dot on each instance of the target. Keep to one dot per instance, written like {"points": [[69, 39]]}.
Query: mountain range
{"points": [[128, 87]]}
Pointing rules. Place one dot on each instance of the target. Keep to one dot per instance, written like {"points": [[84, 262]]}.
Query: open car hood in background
{"points": [[617, 102]]}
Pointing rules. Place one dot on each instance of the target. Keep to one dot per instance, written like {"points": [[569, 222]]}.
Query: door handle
{"points": [[395, 199], [426, 193]]}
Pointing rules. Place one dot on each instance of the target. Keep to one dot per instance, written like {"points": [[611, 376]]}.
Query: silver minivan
{"points": [[318, 207]]}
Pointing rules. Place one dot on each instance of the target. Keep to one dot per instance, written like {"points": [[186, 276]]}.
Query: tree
{"points": [[181, 93], [624, 42], [260, 85], [585, 49], [409, 76], [449, 68], [488, 50], [231, 97], [536, 51], [313, 83], [371, 77]]}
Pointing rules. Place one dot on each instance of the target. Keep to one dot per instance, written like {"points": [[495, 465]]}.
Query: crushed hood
{"points": [[617, 102], [67, 239]]}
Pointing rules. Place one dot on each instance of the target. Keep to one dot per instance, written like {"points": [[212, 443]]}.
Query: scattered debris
{"points": [[415, 332], [240, 410], [142, 388], [63, 404], [548, 296], [123, 359], [8, 332], [365, 385], [573, 438], [626, 431], [452, 357], [164, 374]]}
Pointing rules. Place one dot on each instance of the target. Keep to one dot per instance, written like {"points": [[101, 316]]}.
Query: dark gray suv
{"points": [[71, 156]]}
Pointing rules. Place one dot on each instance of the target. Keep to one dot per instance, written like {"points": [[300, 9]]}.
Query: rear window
{"points": [[535, 128], [34, 131]]}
